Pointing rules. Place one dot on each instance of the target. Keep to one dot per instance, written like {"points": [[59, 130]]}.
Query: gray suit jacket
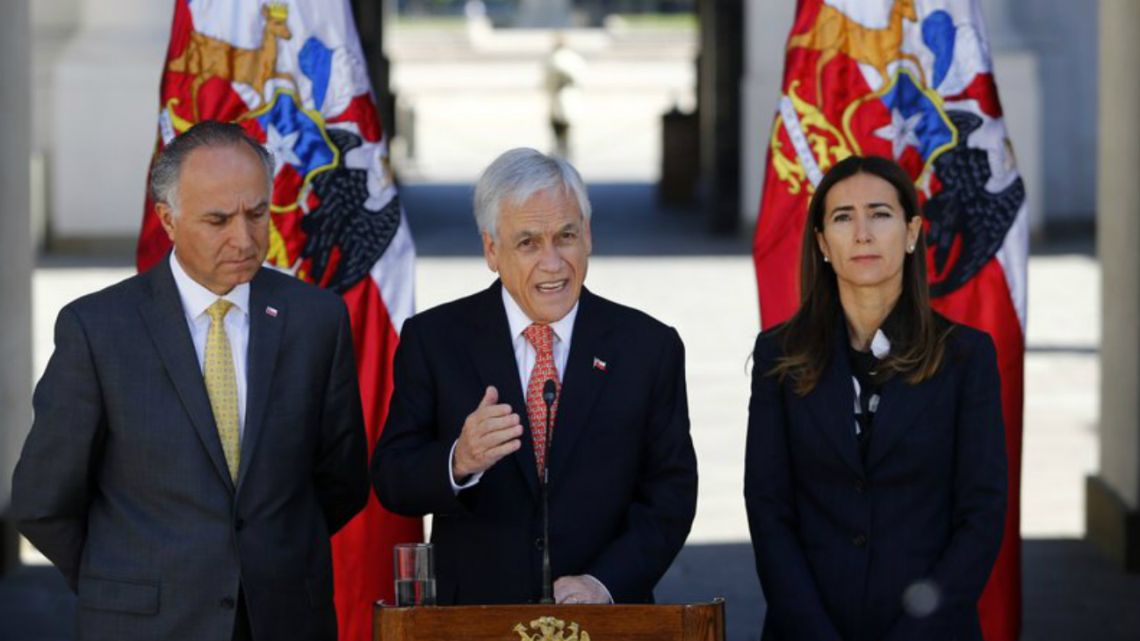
{"points": [[123, 485]]}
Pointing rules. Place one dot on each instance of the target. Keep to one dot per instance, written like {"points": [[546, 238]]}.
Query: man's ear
{"points": [[490, 252], [166, 216]]}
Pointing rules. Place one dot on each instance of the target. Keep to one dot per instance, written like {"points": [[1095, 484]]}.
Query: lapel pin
{"points": [[271, 311], [599, 364]]}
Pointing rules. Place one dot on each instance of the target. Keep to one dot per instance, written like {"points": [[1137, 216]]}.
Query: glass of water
{"points": [[414, 569]]}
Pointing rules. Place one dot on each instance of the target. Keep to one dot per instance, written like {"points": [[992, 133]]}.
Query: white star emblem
{"points": [[282, 148], [901, 132]]}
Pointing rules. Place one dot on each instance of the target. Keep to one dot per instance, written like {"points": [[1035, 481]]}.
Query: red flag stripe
{"points": [[362, 551]]}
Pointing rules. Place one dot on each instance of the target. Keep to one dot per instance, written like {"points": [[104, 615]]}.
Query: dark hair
{"points": [[918, 335], [167, 165]]}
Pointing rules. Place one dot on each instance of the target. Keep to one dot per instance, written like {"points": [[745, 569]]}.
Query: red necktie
{"points": [[542, 338]]}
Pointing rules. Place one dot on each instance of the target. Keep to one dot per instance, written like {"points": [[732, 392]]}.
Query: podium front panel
{"points": [[695, 622]]}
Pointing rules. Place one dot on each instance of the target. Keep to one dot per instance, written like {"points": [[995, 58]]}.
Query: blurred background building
{"points": [[95, 64], [677, 100]]}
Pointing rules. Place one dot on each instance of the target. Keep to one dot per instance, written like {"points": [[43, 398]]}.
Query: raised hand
{"points": [[491, 432]]}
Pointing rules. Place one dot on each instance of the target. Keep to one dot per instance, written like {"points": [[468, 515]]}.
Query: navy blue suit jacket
{"points": [[623, 475], [839, 540]]}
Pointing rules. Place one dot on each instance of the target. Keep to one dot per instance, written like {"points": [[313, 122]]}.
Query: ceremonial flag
{"points": [[911, 80], [293, 75]]}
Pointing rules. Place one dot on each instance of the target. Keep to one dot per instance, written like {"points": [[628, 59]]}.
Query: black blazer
{"points": [[842, 543], [123, 485], [623, 474]]}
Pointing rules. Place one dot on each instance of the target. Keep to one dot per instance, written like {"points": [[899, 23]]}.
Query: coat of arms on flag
{"points": [[911, 80], [293, 75]]}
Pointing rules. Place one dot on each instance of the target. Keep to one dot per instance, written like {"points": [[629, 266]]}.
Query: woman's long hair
{"points": [[918, 335]]}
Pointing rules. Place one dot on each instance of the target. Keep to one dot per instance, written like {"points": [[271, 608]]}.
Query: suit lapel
{"points": [[581, 384], [264, 340], [166, 322], [899, 404], [494, 353], [832, 403]]}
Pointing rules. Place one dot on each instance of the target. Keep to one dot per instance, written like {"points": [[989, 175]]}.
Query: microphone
{"points": [[549, 394], [549, 391]]}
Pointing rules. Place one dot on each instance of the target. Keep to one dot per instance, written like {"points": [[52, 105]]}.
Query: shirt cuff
{"points": [[609, 597], [471, 481]]}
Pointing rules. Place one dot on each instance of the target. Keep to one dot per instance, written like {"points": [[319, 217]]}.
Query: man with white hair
{"points": [[478, 379]]}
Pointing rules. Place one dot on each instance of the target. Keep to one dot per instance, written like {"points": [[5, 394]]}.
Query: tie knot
{"points": [[540, 336], [218, 310]]}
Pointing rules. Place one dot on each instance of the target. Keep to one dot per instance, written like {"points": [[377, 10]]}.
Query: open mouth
{"points": [[553, 287]]}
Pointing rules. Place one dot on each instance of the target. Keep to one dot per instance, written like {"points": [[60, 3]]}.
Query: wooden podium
{"points": [[695, 622]]}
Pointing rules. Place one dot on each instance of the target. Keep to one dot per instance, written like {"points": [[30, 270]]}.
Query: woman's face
{"points": [[865, 234]]}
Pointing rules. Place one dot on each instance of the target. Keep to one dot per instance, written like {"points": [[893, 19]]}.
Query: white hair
{"points": [[518, 174]]}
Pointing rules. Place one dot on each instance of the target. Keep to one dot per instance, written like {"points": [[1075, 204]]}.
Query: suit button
{"points": [[859, 540], [239, 524], [860, 486], [538, 543], [227, 603]]}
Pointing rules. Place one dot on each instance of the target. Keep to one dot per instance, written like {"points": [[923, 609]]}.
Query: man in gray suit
{"points": [[198, 432]]}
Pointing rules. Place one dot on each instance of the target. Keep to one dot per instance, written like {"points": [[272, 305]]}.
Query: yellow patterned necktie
{"points": [[221, 384]]}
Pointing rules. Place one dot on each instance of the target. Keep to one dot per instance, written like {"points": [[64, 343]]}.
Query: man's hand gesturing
{"points": [[491, 432]]}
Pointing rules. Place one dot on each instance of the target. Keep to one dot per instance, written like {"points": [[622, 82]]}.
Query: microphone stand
{"points": [[549, 393]]}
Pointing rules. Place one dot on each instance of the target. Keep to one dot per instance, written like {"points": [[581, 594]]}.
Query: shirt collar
{"points": [[196, 299], [519, 321], [881, 341], [880, 344]]}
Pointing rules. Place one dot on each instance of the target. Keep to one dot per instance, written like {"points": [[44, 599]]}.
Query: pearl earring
{"points": [[826, 259], [910, 250]]}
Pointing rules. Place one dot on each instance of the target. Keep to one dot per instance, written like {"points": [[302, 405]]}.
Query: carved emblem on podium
{"points": [[551, 629]]}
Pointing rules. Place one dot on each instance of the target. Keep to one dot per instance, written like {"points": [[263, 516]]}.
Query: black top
{"points": [[838, 540], [868, 385]]}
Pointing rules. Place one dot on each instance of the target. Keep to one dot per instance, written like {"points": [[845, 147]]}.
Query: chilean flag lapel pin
{"points": [[271, 311], [599, 364]]}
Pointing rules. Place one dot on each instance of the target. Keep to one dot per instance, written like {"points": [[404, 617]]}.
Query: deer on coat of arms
{"points": [[834, 33], [206, 57]]}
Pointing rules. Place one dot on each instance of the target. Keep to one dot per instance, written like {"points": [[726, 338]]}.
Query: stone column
{"points": [[372, 21], [718, 99], [766, 26], [15, 257], [1113, 494], [104, 119], [1001, 29]]}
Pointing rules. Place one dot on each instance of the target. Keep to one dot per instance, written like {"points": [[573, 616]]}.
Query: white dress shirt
{"points": [[196, 299], [525, 356]]}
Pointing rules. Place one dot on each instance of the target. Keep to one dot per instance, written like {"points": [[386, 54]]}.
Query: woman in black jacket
{"points": [[875, 470]]}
